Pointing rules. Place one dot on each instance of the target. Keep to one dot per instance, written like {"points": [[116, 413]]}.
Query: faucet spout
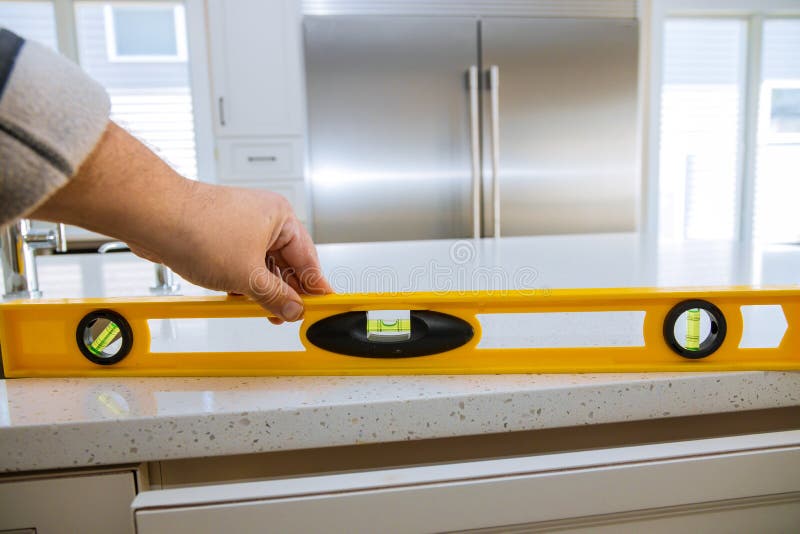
{"points": [[19, 244]]}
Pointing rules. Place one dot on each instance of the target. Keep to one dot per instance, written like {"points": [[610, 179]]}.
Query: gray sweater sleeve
{"points": [[51, 117]]}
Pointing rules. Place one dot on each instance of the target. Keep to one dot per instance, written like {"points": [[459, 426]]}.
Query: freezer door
{"points": [[389, 126], [567, 103]]}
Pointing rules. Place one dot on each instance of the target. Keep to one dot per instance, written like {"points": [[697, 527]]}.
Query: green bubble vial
{"points": [[692, 329], [388, 325], [106, 337]]}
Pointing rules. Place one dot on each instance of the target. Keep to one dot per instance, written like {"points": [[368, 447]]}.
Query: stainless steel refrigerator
{"points": [[452, 127]]}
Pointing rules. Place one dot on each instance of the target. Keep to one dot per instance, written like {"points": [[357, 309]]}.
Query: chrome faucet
{"points": [[19, 244]]}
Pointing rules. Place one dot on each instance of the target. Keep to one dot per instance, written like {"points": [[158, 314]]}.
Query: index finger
{"points": [[300, 254]]}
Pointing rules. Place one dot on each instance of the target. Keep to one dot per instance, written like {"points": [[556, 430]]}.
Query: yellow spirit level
{"points": [[439, 334]]}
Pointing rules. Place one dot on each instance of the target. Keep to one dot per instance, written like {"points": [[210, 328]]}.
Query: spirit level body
{"points": [[38, 337]]}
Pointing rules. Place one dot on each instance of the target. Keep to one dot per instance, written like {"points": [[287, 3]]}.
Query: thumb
{"points": [[274, 295]]}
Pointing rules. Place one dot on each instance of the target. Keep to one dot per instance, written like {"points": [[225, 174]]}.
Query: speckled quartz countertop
{"points": [[68, 423], [58, 423]]}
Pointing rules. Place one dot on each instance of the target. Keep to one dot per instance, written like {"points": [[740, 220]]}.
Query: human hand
{"points": [[247, 242], [225, 238]]}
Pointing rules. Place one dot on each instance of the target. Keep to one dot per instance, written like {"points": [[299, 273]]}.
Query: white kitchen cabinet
{"points": [[256, 67], [85, 503], [740, 483], [259, 96]]}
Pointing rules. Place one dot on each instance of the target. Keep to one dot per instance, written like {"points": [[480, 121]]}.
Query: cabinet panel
{"points": [[79, 503], [730, 480], [256, 58], [259, 160]]}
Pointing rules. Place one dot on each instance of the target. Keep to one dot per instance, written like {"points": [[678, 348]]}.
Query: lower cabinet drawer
{"points": [[259, 159], [92, 503], [745, 483]]}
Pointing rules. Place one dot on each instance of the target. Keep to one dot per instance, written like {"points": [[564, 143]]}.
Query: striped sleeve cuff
{"points": [[51, 117]]}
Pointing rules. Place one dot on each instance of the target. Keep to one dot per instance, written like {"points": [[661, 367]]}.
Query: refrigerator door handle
{"points": [[494, 88], [474, 109]]}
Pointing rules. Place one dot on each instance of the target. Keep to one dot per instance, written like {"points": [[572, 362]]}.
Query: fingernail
{"points": [[291, 311]]}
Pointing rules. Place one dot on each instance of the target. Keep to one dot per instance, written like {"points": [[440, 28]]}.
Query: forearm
{"points": [[122, 190], [214, 236]]}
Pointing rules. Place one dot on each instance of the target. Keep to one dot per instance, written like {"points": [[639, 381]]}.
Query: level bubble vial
{"points": [[104, 337], [388, 325]]}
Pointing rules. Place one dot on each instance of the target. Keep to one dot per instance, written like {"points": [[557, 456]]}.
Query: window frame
{"points": [[64, 12], [179, 20], [769, 137], [199, 75], [655, 13]]}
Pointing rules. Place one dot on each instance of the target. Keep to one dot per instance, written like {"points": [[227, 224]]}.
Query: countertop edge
{"points": [[163, 437]]}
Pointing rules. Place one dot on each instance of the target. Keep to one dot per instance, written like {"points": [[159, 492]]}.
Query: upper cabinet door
{"points": [[256, 67]]}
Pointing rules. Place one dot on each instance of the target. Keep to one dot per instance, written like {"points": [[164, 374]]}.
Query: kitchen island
{"points": [[193, 431]]}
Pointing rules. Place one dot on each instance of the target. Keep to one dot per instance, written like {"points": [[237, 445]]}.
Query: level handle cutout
{"points": [[389, 334]]}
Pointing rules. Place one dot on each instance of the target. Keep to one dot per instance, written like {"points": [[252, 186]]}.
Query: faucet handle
{"points": [[61, 237]]}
